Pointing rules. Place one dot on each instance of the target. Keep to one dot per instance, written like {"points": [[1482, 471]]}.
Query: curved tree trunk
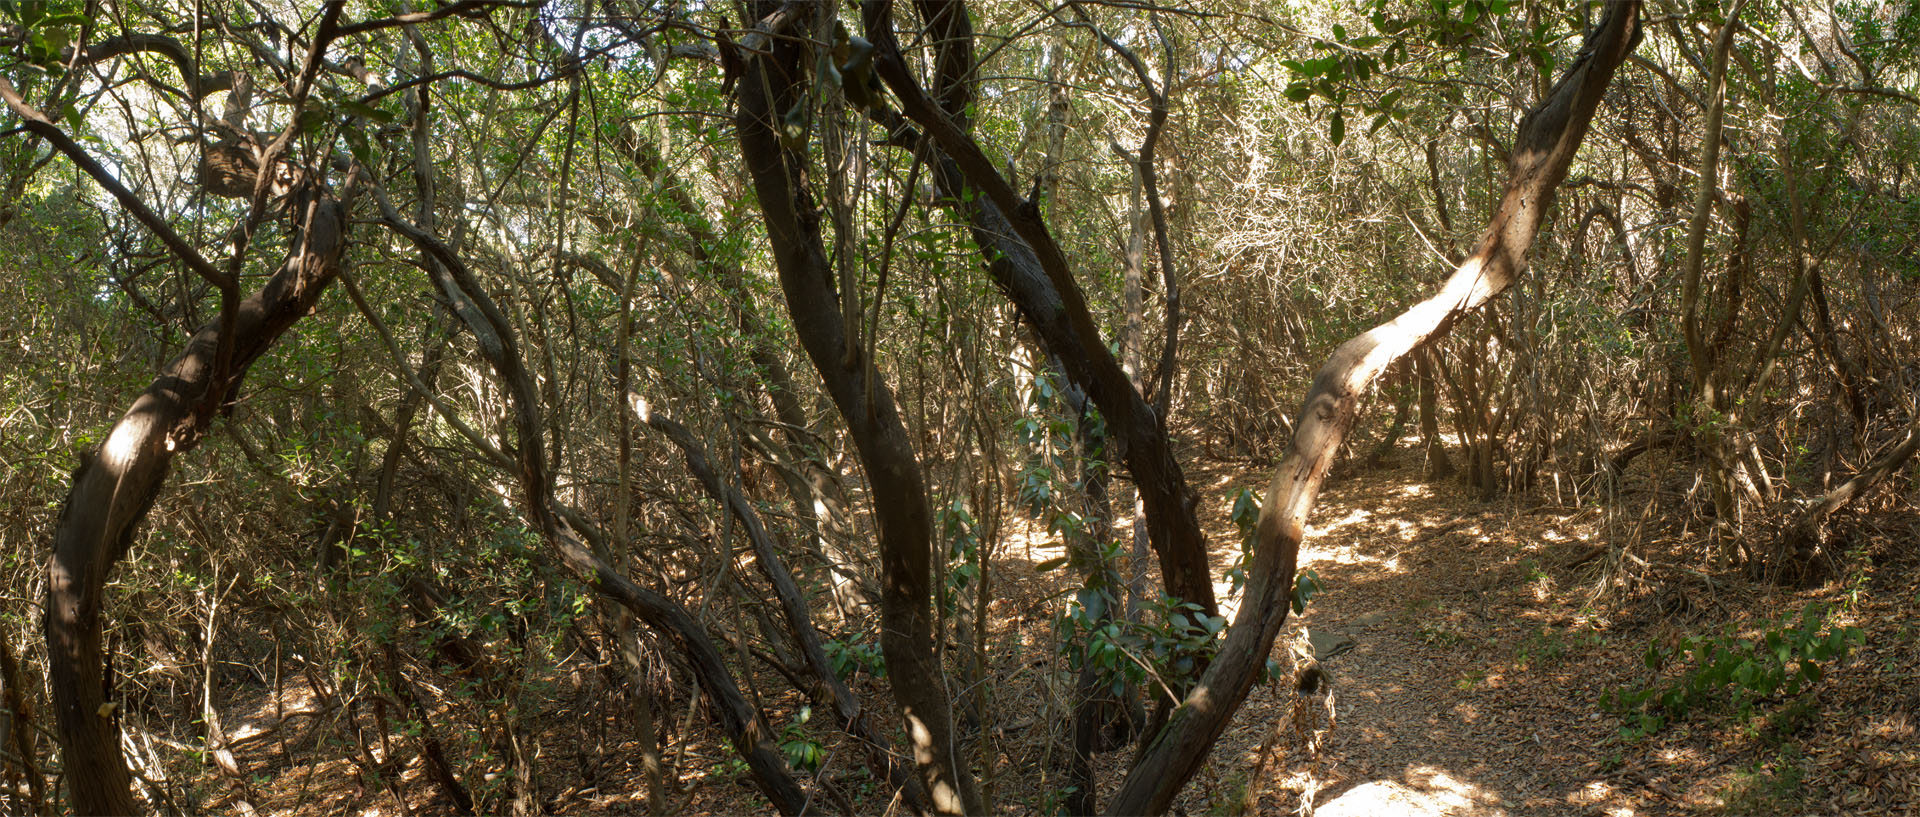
{"points": [[827, 689], [114, 487], [1548, 139], [770, 85], [1030, 267], [749, 733], [1801, 556]]}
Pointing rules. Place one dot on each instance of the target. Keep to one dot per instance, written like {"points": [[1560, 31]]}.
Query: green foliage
{"points": [[1771, 785], [802, 750], [964, 556], [1344, 64], [1549, 646], [1246, 517], [1732, 673], [50, 26], [1168, 646], [855, 654], [1306, 585]]}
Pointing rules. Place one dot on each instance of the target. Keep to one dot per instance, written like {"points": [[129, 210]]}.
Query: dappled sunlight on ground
{"points": [[1423, 791], [1467, 685], [1483, 638]]}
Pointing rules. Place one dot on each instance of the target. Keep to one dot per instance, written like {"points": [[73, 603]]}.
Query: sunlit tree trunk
{"points": [[1545, 147]]}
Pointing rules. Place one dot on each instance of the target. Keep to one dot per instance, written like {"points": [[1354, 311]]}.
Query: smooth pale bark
{"points": [[769, 87], [1547, 141]]}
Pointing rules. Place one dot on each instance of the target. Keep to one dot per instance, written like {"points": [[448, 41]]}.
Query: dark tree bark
{"points": [[1802, 555], [115, 485], [771, 85], [748, 732], [1031, 269], [827, 688], [1547, 141], [1439, 465]]}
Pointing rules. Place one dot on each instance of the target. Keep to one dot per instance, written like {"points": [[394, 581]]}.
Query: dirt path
{"points": [[1456, 691], [1470, 687]]}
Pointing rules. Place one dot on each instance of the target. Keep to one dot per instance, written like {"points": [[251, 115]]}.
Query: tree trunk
{"points": [[752, 738], [115, 485], [1715, 431], [1547, 141], [1439, 466], [1030, 267], [828, 691], [1802, 556], [771, 85]]}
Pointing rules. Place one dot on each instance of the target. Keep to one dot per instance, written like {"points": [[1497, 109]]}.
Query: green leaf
{"points": [[1337, 129], [361, 109], [1298, 92], [1811, 670], [312, 120], [54, 40], [1050, 564], [358, 146]]}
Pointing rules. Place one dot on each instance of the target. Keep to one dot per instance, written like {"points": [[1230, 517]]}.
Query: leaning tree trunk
{"points": [[1802, 555], [1028, 265], [114, 487], [1547, 141], [827, 690], [117, 482]]}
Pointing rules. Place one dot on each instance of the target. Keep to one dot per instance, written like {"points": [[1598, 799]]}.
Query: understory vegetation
{"points": [[616, 406]]}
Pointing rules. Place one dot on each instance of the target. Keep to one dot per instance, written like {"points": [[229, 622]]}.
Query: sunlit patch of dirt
{"points": [[1484, 633]]}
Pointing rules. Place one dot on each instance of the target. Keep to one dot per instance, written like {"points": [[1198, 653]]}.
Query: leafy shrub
{"points": [[803, 751], [855, 654], [1732, 672]]}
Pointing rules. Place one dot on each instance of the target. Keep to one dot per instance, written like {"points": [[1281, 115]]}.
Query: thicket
{"points": [[635, 377]]}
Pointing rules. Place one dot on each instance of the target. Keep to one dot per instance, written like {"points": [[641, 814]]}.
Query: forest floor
{"points": [[1479, 638], [1484, 634]]}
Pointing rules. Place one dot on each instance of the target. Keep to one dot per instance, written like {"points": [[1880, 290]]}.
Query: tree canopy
{"points": [[796, 392]]}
